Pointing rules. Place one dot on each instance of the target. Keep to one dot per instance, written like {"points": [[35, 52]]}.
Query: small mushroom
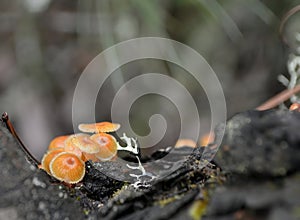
{"points": [[92, 157], [67, 167], [58, 142], [295, 107], [83, 143], [100, 127], [207, 139], [71, 147], [185, 143], [48, 157], [108, 146]]}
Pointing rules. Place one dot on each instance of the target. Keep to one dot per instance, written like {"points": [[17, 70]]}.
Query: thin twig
{"points": [[279, 98], [11, 128]]}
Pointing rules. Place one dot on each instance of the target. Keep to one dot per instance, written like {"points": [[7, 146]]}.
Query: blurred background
{"points": [[46, 44]]}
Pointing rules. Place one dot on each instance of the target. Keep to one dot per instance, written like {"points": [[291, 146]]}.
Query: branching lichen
{"points": [[293, 66]]}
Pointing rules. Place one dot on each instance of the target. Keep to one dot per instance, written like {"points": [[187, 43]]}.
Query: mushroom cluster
{"points": [[66, 155]]}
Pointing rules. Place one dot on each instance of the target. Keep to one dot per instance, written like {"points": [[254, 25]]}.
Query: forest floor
{"points": [[254, 175]]}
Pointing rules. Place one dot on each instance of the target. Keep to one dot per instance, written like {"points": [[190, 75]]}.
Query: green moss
{"points": [[86, 211], [166, 201], [198, 208]]}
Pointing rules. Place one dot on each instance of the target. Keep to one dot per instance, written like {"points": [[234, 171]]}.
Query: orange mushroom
{"points": [[48, 157], [58, 142], [185, 142], [67, 167], [92, 157], [295, 107], [105, 127], [83, 143], [207, 139], [71, 147], [107, 144]]}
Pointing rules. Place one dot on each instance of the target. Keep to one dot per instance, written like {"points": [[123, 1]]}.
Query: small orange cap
{"points": [[92, 157], [71, 148], [58, 142], [83, 143], [295, 107], [207, 139], [67, 167], [185, 142], [105, 127], [108, 146], [48, 157]]}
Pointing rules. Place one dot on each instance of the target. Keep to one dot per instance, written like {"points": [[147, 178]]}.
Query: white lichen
{"points": [[144, 179], [293, 66], [131, 144]]}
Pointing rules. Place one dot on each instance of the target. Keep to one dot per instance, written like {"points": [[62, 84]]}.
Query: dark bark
{"points": [[25, 192], [260, 154]]}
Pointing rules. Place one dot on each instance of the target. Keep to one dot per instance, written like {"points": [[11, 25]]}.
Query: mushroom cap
{"points": [[67, 167], [107, 144], [72, 148], [295, 107], [92, 157], [207, 139], [47, 158], [185, 142], [83, 143], [105, 127], [58, 142]]}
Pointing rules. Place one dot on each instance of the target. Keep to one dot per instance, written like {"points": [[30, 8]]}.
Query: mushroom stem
{"points": [[11, 129]]}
